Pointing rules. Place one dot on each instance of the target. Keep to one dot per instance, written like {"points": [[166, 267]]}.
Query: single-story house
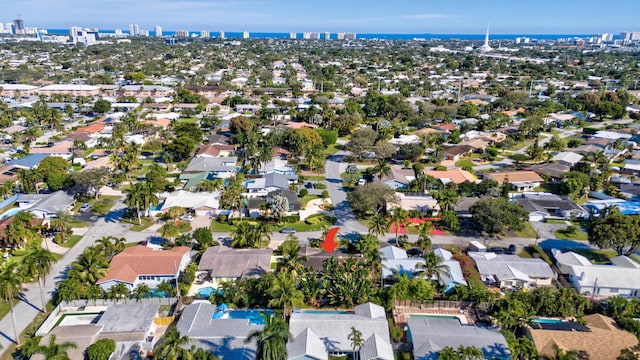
{"points": [[398, 178], [223, 336], [201, 203], [424, 203], [294, 202], [555, 171], [63, 149], [456, 176], [269, 182], [601, 281], [395, 259], [143, 265], [332, 329], [221, 167], [277, 165], [216, 150], [600, 339], [518, 180], [225, 264], [565, 260], [430, 335], [567, 158], [45, 206], [543, 205], [28, 162], [512, 271], [456, 152]]}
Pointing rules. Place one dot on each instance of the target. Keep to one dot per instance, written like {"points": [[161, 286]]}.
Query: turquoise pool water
{"points": [[253, 315], [10, 212], [436, 317], [206, 292], [156, 207], [547, 321]]}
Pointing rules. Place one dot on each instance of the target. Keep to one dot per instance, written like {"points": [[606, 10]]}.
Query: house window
{"points": [[613, 290]]}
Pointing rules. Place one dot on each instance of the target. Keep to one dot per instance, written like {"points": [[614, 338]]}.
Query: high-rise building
{"points": [[18, 26], [204, 34], [630, 35], [182, 33], [340, 36], [73, 31], [9, 28], [311, 35], [327, 36], [143, 32], [245, 35], [221, 35], [118, 32], [349, 36], [293, 35], [158, 31], [134, 30]]}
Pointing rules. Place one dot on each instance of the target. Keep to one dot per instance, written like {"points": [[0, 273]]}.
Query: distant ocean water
{"points": [[279, 35]]}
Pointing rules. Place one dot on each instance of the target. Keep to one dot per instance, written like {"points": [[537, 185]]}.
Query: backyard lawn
{"points": [[73, 240], [465, 163]]}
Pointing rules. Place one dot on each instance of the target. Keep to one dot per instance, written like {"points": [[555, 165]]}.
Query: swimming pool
{"points": [[10, 212], [254, 316], [324, 312], [206, 292], [546, 321], [156, 207]]}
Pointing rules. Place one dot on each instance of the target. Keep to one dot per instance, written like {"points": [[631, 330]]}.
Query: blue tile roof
{"points": [[29, 161]]}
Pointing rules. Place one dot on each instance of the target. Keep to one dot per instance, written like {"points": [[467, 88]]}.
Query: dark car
{"points": [[511, 250]]}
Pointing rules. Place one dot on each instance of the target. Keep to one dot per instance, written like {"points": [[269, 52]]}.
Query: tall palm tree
{"points": [[284, 293], [37, 263], [55, 351], [378, 224], [18, 236], [62, 221], [424, 241], [172, 346], [148, 196], [134, 199], [272, 339], [399, 218], [356, 341], [10, 286], [141, 291], [434, 266], [170, 230], [382, 169]]}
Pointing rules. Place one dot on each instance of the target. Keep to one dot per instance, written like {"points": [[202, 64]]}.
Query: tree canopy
{"points": [[495, 215]]}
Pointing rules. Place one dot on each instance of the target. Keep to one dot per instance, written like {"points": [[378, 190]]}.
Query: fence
{"points": [[435, 304]]}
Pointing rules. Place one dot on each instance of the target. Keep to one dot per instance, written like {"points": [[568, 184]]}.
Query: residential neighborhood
{"points": [[203, 198]]}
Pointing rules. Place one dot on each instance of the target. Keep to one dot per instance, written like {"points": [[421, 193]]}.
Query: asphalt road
{"points": [[346, 220]]}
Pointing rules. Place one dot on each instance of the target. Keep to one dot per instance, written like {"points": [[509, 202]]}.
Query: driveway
{"points": [[342, 209]]}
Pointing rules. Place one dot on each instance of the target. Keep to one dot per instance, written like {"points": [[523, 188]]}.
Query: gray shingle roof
{"points": [[430, 335], [128, 317], [506, 267], [306, 345], [225, 262]]}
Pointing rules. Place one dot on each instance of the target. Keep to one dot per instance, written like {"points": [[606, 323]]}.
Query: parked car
{"points": [[186, 217], [362, 182], [288, 231], [86, 207], [511, 250]]}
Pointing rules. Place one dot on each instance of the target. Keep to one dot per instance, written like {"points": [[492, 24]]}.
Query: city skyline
{"points": [[414, 16]]}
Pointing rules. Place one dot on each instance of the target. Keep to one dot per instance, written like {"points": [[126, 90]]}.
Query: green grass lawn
{"points": [[146, 222], [465, 163], [578, 235], [190, 120], [554, 189], [555, 221], [73, 240], [78, 224], [217, 226], [528, 232], [332, 149], [305, 199], [303, 226], [601, 257]]}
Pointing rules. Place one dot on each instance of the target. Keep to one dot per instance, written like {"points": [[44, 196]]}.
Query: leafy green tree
{"points": [[399, 218], [118, 291], [494, 216], [424, 241], [614, 230], [371, 198], [204, 238], [434, 266], [181, 147], [54, 351], [141, 291], [284, 293], [90, 266], [357, 341], [378, 224], [101, 106], [101, 349], [54, 170], [271, 339]]}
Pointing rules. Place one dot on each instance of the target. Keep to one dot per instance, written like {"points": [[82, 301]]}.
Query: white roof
{"points": [[69, 87], [569, 258], [506, 267], [191, 200], [610, 276], [567, 156], [393, 252], [625, 261], [611, 135], [14, 87]]}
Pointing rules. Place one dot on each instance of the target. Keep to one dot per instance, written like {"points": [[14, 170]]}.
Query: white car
{"points": [[86, 207], [186, 218]]}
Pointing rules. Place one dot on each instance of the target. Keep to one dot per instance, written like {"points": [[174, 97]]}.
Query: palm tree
{"points": [[111, 249], [118, 291], [170, 230], [134, 199], [10, 286], [202, 354], [90, 266], [382, 169], [271, 339], [172, 346], [62, 221], [141, 291], [424, 241], [175, 212], [284, 293], [434, 266], [55, 351], [356, 341], [399, 218], [378, 224], [37, 263], [17, 235]]}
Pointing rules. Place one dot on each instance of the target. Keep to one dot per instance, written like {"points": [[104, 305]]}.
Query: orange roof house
{"points": [[456, 176], [518, 180], [143, 265], [93, 128]]}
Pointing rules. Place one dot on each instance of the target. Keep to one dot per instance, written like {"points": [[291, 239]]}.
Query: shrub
{"points": [[320, 186], [184, 226], [222, 218], [290, 219], [325, 194], [396, 333], [101, 349], [303, 192]]}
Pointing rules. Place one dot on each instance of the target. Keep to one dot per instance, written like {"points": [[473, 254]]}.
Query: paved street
{"points": [[346, 219]]}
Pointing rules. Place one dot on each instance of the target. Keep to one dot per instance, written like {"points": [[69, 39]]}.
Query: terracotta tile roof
{"points": [[214, 149], [162, 122], [457, 176], [603, 342], [141, 260], [92, 128], [298, 125], [447, 127], [514, 176]]}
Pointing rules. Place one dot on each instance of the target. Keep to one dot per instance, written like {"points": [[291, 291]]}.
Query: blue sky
{"points": [[362, 16]]}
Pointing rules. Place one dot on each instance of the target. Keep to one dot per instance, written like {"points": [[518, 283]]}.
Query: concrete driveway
{"points": [[342, 209]]}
